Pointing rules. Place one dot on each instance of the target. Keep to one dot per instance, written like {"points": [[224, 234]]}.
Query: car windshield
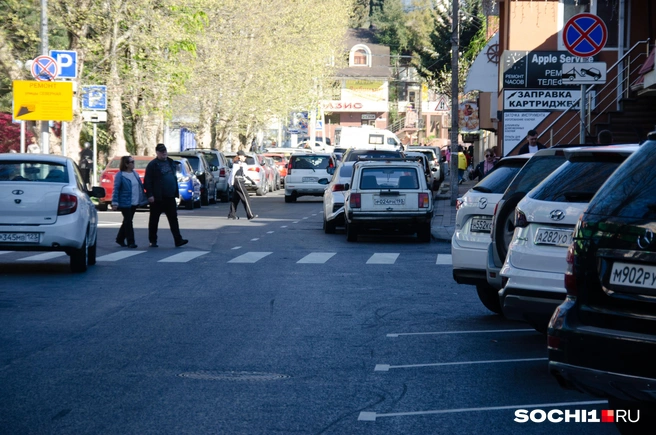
{"points": [[533, 172], [138, 164], [310, 162], [212, 159], [389, 178], [277, 158], [15, 170], [575, 181], [194, 161], [630, 191], [499, 178]]}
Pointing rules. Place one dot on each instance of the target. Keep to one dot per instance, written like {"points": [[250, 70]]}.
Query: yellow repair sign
{"points": [[43, 101]]}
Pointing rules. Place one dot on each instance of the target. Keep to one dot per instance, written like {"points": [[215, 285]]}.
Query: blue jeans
{"points": [[461, 174]]}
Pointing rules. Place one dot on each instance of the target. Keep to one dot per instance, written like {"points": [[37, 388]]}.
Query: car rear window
{"points": [[389, 178], [212, 159], [13, 170], [499, 178], [114, 164], [346, 171], [356, 155], [577, 180], [138, 164], [311, 162], [534, 171], [629, 192]]}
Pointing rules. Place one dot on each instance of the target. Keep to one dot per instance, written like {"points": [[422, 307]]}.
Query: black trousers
{"points": [[127, 229], [170, 209], [240, 194]]}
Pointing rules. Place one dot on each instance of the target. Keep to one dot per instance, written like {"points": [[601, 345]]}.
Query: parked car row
{"points": [[572, 252]]}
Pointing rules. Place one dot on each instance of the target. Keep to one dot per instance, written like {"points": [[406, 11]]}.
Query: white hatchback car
{"points": [[304, 173], [46, 207], [533, 273], [474, 222], [333, 197]]}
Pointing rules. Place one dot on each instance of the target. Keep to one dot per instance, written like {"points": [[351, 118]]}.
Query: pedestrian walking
{"points": [[484, 167], [127, 196], [239, 193], [162, 189], [462, 164], [86, 163]]}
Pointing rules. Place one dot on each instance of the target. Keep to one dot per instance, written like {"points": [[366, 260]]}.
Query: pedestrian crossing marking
{"points": [[255, 239], [43, 257], [236, 247], [444, 259], [250, 257], [317, 257], [5, 252], [269, 232], [115, 256], [183, 257], [383, 258]]}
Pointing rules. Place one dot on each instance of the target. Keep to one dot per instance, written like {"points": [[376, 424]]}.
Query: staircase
{"points": [[632, 124]]}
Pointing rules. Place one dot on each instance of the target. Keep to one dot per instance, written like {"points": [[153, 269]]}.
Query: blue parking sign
{"points": [[67, 62], [94, 97]]}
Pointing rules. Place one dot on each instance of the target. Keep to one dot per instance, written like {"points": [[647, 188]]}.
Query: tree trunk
{"points": [[204, 133], [146, 131], [115, 124]]}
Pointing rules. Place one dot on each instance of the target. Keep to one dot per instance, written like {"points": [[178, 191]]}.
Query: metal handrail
{"points": [[569, 110]]}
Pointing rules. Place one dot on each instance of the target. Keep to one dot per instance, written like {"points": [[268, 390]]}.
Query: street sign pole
{"points": [[95, 157], [45, 125], [583, 110]]}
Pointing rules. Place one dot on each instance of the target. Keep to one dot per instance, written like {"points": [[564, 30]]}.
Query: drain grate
{"points": [[208, 375]]}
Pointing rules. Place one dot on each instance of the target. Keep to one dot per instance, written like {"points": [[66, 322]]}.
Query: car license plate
{"points": [[481, 225], [19, 237], [546, 236], [389, 201], [633, 275], [310, 179]]}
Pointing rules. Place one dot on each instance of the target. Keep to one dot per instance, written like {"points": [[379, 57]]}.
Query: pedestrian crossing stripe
{"points": [[250, 257], [43, 257], [115, 256], [183, 257], [316, 257], [380, 258]]}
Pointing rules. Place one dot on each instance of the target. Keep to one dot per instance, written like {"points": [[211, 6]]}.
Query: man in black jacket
{"points": [[532, 146], [161, 186]]}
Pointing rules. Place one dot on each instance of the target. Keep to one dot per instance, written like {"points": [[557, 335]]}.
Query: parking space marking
{"points": [[250, 257], [387, 367], [372, 416], [481, 331], [305, 217], [296, 222], [255, 239], [115, 256], [444, 259], [270, 232], [236, 247], [317, 257], [183, 257], [43, 257], [284, 226], [383, 258]]}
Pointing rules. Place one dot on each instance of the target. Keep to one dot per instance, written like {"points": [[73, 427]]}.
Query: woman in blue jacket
{"points": [[128, 194]]}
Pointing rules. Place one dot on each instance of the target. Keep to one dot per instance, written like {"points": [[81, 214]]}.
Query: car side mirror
{"points": [[97, 192]]}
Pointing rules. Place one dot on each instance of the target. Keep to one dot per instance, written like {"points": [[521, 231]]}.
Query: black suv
{"points": [[602, 337], [203, 170], [355, 154]]}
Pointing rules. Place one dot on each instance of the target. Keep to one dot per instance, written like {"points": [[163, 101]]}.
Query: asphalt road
{"points": [[264, 327]]}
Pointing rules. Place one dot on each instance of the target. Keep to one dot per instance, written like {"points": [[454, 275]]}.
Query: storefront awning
{"points": [[484, 73]]}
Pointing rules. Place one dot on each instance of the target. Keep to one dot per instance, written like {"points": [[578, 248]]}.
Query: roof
{"points": [[380, 56]]}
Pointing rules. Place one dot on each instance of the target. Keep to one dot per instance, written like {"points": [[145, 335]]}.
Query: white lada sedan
{"points": [[45, 206]]}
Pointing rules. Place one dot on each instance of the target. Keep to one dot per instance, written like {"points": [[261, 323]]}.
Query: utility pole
{"points": [[45, 125], [454, 102]]}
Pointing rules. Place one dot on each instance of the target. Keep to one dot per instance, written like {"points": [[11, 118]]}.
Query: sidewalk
{"points": [[444, 216]]}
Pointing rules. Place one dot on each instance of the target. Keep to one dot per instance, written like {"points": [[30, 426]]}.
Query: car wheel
{"points": [[189, 205], [92, 252], [205, 197], [351, 232], [102, 206], [270, 187], [424, 232], [80, 258], [260, 191], [489, 296], [505, 226], [329, 227]]}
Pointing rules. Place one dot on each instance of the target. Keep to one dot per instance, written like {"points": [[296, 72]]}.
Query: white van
{"points": [[367, 137]]}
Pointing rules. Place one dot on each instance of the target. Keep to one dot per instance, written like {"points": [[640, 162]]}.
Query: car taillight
{"points": [[289, 168], [520, 219], [423, 200], [459, 203], [337, 187], [494, 220], [354, 200], [222, 172], [67, 204], [570, 279], [255, 169]]}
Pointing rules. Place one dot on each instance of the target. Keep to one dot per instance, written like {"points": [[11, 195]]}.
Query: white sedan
{"points": [[45, 206]]}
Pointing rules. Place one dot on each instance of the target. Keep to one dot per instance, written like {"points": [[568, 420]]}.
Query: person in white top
{"points": [[239, 193], [128, 194]]}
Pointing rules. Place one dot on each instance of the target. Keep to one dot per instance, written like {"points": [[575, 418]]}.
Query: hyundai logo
{"points": [[482, 203], [17, 192], [17, 201], [646, 239], [557, 215]]}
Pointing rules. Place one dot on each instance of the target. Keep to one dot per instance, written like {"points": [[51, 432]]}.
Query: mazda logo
{"points": [[482, 203], [17, 192], [557, 215], [646, 239]]}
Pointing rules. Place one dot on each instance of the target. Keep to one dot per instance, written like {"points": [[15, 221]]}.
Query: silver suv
{"points": [[221, 172]]}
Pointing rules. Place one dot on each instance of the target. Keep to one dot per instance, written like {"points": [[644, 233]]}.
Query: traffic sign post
{"points": [[67, 63], [45, 68], [94, 97], [584, 35]]}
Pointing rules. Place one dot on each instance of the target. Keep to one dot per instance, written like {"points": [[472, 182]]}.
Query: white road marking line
{"points": [[317, 257], [183, 257], [305, 218], [394, 335], [5, 252], [42, 257], [387, 367], [115, 256], [372, 416], [236, 247], [270, 232], [381, 258], [296, 222], [250, 257], [284, 226], [111, 224], [314, 214], [255, 239], [444, 259]]}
